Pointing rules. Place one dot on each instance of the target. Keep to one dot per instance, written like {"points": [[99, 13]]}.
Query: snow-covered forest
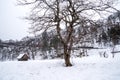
{"points": [[105, 34]]}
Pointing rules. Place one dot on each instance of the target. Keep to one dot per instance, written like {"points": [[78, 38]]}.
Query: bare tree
{"points": [[64, 15]]}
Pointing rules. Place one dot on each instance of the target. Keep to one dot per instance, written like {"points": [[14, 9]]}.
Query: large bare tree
{"points": [[64, 15]]}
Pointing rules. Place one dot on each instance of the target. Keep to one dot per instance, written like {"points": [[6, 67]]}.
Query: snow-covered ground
{"points": [[88, 68]]}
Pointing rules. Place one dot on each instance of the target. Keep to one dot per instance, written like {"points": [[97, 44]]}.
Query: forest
{"points": [[47, 45]]}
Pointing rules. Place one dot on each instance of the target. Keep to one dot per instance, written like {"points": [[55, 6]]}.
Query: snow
{"points": [[88, 68], [20, 56]]}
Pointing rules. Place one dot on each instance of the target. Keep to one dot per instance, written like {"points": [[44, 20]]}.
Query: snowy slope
{"points": [[87, 68]]}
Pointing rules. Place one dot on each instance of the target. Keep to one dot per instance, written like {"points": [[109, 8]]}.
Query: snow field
{"points": [[87, 68]]}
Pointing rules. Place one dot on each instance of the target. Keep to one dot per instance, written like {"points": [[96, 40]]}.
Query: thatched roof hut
{"points": [[23, 57]]}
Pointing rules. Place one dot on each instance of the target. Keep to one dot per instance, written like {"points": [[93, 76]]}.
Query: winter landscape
{"points": [[69, 40]]}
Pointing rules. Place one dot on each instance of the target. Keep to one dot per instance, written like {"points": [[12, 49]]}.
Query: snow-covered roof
{"points": [[20, 56]]}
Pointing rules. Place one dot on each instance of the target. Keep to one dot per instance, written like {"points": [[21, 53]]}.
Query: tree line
{"points": [[48, 44]]}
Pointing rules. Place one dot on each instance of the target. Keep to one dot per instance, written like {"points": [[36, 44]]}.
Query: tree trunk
{"points": [[33, 56], [67, 57], [113, 54], [67, 60]]}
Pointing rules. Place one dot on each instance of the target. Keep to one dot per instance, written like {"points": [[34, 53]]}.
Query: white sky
{"points": [[12, 26]]}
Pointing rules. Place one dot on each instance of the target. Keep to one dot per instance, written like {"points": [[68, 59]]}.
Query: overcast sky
{"points": [[12, 26]]}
